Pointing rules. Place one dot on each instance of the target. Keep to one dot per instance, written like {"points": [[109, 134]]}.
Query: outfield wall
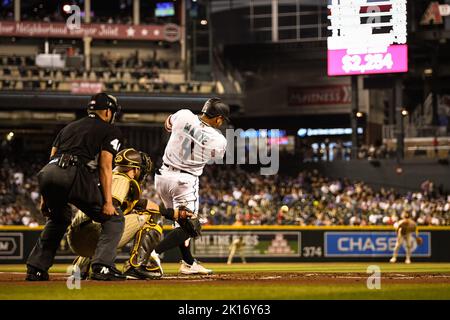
{"points": [[266, 243]]}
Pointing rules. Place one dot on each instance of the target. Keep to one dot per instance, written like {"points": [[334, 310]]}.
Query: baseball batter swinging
{"points": [[194, 141]]}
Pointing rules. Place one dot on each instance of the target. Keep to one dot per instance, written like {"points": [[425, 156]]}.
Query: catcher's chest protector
{"points": [[125, 190]]}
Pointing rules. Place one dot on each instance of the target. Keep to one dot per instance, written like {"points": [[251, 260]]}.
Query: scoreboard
{"points": [[367, 37]]}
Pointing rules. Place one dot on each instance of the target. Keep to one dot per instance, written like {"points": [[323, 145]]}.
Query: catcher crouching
{"points": [[143, 220]]}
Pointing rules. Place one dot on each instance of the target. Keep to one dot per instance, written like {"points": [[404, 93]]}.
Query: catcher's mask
{"points": [[146, 166], [131, 158]]}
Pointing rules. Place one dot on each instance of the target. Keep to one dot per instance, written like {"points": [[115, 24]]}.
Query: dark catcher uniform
{"points": [[72, 177]]}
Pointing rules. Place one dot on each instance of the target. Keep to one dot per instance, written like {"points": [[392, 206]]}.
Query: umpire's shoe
{"points": [[106, 273], [35, 274]]}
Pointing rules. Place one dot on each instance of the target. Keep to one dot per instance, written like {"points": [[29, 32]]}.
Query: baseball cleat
{"points": [[141, 273], [407, 261], [35, 274], [195, 268], [150, 274], [133, 274], [106, 273], [393, 260]]}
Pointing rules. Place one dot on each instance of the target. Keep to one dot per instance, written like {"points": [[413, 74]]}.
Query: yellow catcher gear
{"points": [[131, 158]]}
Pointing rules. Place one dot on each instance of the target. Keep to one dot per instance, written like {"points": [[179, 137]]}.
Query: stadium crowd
{"points": [[234, 196], [19, 195], [239, 197]]}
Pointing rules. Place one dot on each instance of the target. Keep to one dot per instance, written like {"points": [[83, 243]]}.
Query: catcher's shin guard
{"points": [[144, 243]]}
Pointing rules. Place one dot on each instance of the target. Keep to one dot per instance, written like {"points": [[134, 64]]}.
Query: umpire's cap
{"points": [[214, 107], [103, 101]]}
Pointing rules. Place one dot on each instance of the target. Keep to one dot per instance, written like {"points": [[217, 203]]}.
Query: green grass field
{"points": [[411, 282]]}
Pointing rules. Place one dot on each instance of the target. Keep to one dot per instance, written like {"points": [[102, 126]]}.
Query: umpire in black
{"points": [[80, 173]]}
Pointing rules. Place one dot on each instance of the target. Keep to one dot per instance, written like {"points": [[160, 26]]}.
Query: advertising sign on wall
{"points": [[256, 244], [168, 32], [371, 244], [259, 244], [323, 95], [11, 245]]}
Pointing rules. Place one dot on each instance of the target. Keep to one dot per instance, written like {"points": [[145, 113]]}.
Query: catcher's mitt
{"points": [[188, 222], [419, 241]]}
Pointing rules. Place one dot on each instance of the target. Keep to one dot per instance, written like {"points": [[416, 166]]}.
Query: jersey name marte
{"points": [[192, 143]]}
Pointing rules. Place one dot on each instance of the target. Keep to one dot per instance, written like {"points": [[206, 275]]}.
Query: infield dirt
{"points": [[266, 277]]}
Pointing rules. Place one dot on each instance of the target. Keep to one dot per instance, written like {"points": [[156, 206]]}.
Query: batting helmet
{"points": [[214, 107]]}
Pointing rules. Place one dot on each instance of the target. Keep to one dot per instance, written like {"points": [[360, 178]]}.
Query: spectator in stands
{"points": [[144, 82], [436, 146], [338, 151], [18, 196]]}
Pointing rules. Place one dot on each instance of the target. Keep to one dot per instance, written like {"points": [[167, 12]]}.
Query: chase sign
{"points": [[371, 244]]}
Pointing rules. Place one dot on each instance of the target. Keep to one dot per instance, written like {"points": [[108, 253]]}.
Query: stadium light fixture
{"points": [[66, 8], [404, 112], [359, 114], [204, 22], [9, 136]]}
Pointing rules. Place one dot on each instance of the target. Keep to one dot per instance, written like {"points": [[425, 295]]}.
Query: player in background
{"points": [[194, 141], [237, 245], [404, 229]]}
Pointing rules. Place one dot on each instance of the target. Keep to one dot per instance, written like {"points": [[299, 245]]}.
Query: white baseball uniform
{"points": [[192, 144]]}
